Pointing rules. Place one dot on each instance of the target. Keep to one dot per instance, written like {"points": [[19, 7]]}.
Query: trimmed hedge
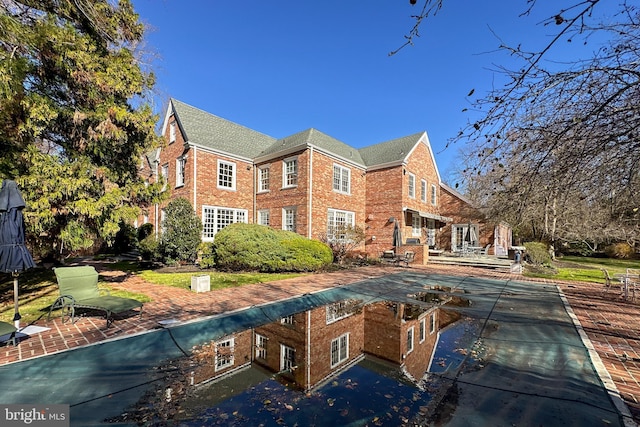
{"points": [[260, 248]]}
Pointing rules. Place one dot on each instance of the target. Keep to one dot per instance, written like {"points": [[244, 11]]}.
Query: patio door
{"points": [[464, 233]]}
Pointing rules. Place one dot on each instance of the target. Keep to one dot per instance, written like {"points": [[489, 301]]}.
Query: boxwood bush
{"points": [[261, 248]]}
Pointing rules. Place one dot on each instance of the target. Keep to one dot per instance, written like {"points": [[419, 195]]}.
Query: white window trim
{"points": [[261, 346], [284, 349], [261, 170], [346, 356], [284, 172], [216, 209], [332, 213], [164, 174], [172, 132], [284, 217], [423, 330], [434, 195], [233, 176], [342, 170], [338, 311], [180, 174], [423, 190], [432, 323], [231, 360], [416, 231], [412, 186], [410, 342], [262, 212]]}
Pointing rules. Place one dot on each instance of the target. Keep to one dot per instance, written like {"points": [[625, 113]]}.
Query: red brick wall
{"points": [[384, 200]]}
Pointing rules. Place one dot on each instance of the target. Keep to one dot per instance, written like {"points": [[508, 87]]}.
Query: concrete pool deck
{"points": [[609, 322]]}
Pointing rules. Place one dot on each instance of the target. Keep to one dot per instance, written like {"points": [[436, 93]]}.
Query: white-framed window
{"points": [[224, 353], [423, 190], [290, 172], [145, 218], [338, 310], [337, 223], [264, 217], [163, 217], [216, 218], [432, 323], [263, 178], [261, 347], [287, 357], [416, 225], [434, 195], [226, 175], [431, 232], [339, 350], [412, 186], [341, 179], [289, 218], [164, 173], [172, 132], [287, 320], [423, 329], [410, 340], [180, 164]]}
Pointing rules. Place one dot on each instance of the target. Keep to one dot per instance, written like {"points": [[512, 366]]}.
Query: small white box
{"points": [[201, 283]]}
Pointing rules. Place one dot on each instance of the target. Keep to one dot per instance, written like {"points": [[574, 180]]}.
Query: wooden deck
{"points": [[488, 261]]}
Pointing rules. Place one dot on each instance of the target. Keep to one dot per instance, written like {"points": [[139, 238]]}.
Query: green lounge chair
{"points": [[79, 289], [8, 329]]}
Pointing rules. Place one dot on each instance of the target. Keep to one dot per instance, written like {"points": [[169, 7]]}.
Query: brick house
{"points": [[308, 182]]}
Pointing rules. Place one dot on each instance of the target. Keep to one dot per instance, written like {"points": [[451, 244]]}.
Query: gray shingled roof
{"points": [[318, 139], [392, 151], [208, 130]]}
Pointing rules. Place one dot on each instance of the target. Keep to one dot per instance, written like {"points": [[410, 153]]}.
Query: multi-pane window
{"points": [[423, 330], [164, 173], [289, 219], [172, 132], [224, 354], [432, 323], [434, 195], [261, 347], [338, 222], [290, 172], [431, 232], [263, 178], [339, 349], [416, 225], [215, 219], [423, 190], [287, 358], [341, 179], [163, 217], [338, 310], [180, 164], [226, 175], [287, 320], [264, 217], [412, 185], [410, 340]]}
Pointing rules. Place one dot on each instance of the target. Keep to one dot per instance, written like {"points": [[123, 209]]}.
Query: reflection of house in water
{"points": [[309, 347]]}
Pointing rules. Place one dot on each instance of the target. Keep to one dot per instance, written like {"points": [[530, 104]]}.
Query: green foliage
{"points": [[74, 122], [620, 250], [206, 258], [126, 239], [149, 248], [144, 231], [537, 253], [182, 232], [260, 248]]}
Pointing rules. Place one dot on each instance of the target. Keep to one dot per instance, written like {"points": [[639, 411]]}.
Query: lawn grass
{"points": [[586, 269], [38, 289]]}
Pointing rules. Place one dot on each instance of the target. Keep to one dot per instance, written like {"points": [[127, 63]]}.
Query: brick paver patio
{"points": [[609, 322]]}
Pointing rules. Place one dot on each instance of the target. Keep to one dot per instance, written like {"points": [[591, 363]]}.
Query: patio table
{"points": [[625, 280]]}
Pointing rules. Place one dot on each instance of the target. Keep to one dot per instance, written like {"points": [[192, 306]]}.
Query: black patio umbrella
{"points": [[467, 236], [397, 235], [14, 256]]}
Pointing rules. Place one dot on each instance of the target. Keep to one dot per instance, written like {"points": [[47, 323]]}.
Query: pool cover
{"points": [[525, 364]]}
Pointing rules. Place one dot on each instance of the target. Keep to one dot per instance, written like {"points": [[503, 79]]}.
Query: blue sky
{"points": [[280, 67]]}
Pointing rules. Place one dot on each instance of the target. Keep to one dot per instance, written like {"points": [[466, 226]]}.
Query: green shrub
{"points": [[144, 231], [537, 253], [619, 250], [125, 239], [261, 248], [182, 233], [149, 248], [206, 258]]}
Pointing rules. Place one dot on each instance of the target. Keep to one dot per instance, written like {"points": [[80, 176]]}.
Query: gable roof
{"points": [[390, 152], [316, 139], [209, 131]]}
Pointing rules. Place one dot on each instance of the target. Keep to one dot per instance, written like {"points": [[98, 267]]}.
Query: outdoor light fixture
{"points": [[392, 219]]}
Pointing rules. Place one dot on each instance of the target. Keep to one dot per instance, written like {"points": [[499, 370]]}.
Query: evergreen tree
{"points": [[75, 122], [182, 232]]}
